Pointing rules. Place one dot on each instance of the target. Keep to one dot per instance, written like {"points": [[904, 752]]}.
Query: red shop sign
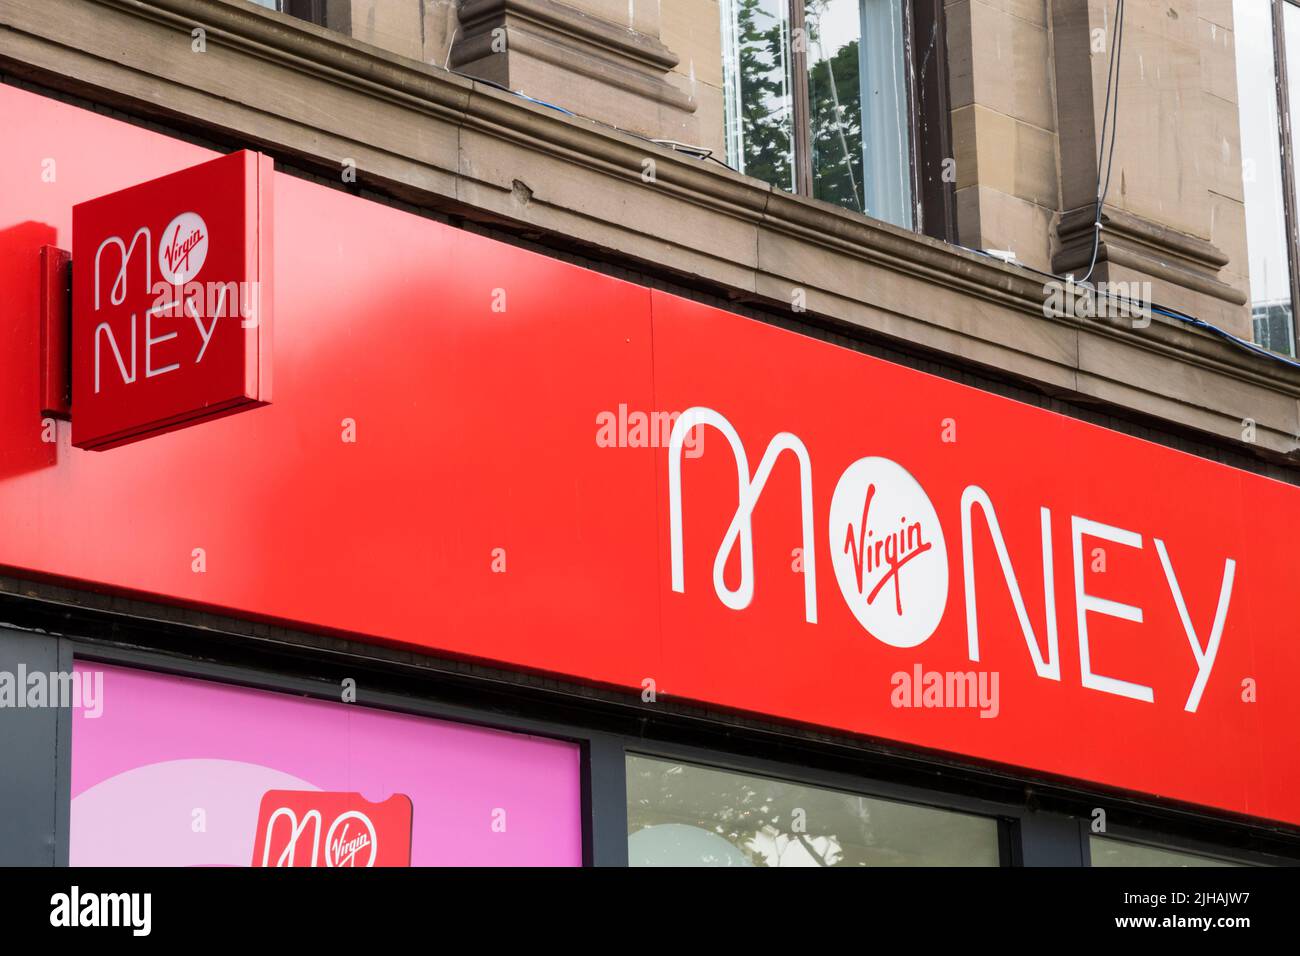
{"points": [[458, 460], [171, 309]]}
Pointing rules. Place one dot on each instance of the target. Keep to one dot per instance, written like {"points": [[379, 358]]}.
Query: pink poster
{"points": [[183, 772]]}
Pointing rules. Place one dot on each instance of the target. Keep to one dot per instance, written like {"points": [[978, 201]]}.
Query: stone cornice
{"points": [[1161, 252], [581, 27], [442, 141]]}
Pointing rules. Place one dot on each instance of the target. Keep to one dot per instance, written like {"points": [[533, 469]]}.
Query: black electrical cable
{"points": [[1111, 115], [1162, 310]]}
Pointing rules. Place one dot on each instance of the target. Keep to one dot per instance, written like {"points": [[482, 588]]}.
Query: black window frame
{"points": [[313, 11]]}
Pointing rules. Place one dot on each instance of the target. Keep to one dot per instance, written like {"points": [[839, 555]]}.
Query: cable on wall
{"points": [[1109, 113]]}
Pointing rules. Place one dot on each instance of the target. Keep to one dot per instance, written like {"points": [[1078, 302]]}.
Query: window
{"points": [[1267, 37], [175, 771], [819, 102], [1109, 852], [685, 815], [310, 10]]}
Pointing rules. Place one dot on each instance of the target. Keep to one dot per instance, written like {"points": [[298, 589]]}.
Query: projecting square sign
{"points": [[171, 302]]}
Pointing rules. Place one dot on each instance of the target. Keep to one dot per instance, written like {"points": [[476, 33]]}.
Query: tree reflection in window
{"points": [[759, 112], [818, 100], [681, 814], [835, 100]]}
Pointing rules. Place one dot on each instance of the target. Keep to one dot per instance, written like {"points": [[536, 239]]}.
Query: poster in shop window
{"points": [[171, 771]]}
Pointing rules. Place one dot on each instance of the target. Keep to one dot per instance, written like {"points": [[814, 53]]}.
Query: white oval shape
{"points": [[183, 248], [888, 552], [343, 852]]}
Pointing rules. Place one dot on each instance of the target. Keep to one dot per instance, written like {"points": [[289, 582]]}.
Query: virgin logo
{"points": [[888, 552], [183, 248], [317, 828], [342, 850]]}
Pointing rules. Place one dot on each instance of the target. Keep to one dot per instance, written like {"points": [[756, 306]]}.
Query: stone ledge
{"points": [[445, 143], [563, 21], [1145, 247], [561, 55]]}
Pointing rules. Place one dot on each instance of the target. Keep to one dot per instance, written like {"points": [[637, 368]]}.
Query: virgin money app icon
{"points": [[888, 552], [319, 828]]}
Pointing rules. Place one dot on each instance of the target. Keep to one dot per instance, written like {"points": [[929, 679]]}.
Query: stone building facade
{"points": [[419, 95]]}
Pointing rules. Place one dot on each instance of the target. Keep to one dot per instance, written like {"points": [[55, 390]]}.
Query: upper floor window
{"points": [[1267, 37], [310, 10], [820, 101]]}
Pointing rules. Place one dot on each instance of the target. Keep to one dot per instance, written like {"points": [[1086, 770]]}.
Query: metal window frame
{"points": [[1290, 208], [935, 198], [801, 114], [928, 115], [313, 11]]}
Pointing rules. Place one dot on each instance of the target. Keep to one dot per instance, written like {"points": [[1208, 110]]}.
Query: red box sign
{"points": [[170, 314], [316, 828]]}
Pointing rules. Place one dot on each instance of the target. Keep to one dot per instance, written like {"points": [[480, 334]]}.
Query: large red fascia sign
{"points": [[457, 460], [168, 322]]}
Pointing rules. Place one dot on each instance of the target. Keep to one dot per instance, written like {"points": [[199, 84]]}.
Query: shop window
{"points": [[682, 814], [1267, 38], [1107, 851], [820, 101], [173, 771]]}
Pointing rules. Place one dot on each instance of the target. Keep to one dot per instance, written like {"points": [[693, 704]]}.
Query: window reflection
{"points": [[1266, 236], [835, 93], [858, 107], [759, 99], [852, 53], [1110, 852], [685, 815]]}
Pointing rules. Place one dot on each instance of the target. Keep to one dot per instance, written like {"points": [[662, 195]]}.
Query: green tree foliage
{"points": [[835, 112], [765, 112]]}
